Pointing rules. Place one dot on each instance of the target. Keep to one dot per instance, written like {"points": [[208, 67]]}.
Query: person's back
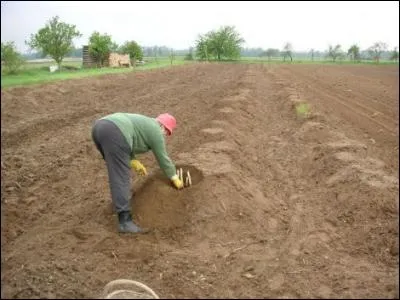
{"points": [[142, 134], [138, 130]]}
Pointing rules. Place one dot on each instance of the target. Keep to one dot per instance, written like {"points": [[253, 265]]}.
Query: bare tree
{"points": [[375, 51], [335, 52], [270, 52], [394, 55], [171, 55], [155, 52], [287, 51]]}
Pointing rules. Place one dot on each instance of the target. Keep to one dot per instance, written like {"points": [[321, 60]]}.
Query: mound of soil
{"points": [[158, 205]]}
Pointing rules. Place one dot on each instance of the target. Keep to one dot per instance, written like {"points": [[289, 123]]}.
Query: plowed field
{"points": [[281, 205]]}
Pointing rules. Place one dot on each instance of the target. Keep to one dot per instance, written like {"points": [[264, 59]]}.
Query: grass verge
{"points": [[40, 73]]}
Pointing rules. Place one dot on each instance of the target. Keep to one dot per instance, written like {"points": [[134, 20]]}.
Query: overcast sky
{"points": [[177, 24]]}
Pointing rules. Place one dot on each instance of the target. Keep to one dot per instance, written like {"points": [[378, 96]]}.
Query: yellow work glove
{"points": [[138, 167], [177, 182]]}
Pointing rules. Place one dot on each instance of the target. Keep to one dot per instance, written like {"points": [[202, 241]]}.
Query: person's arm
{"points": [[165, 163], [160, 152]]}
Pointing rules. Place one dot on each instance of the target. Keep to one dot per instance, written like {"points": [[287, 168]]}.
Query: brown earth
{"points": [[281, 207]]}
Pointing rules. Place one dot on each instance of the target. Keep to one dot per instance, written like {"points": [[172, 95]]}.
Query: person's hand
{"points": [[177, 182], [138, 167]]}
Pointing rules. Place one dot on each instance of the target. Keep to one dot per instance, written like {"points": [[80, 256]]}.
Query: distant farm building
{"points": [[114, 60]]}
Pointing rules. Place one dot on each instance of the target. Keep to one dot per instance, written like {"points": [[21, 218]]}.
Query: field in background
{"points": [[308, 60], [37, 71]]}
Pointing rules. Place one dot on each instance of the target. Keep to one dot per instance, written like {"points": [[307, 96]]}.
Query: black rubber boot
{"points": [[126, 224]]}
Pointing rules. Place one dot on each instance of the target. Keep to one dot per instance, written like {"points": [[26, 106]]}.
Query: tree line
{"points": [[377, 51], [148, 51], [55, 40], [355, 54]]}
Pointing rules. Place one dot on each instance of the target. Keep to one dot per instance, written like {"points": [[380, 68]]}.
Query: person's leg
{"points": [[96, 129], [116, 153]]}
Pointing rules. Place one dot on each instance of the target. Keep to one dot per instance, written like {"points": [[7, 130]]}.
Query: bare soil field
{"points": [[281, 206]]}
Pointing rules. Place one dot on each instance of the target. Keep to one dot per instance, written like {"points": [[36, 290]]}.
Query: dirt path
{"points": [[281, 206]]}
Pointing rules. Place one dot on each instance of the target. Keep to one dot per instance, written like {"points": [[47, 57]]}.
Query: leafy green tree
{"points": [[223, 43], [202, 47], [354, 53], [55, 39], [376, 50], [100, 47], [134, 50], [11, 60]]}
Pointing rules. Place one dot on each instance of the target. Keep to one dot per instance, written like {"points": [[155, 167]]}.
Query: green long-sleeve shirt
{"points": [[143, 134]]}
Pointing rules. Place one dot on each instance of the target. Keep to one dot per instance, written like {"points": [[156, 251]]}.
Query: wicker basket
{"points": [[127, 289]]}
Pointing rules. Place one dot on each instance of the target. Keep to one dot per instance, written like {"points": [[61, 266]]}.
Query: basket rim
{"points": [[111, 284]]}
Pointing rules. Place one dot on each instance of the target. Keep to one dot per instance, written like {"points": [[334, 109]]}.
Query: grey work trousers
{"points": [[115, 150]]}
